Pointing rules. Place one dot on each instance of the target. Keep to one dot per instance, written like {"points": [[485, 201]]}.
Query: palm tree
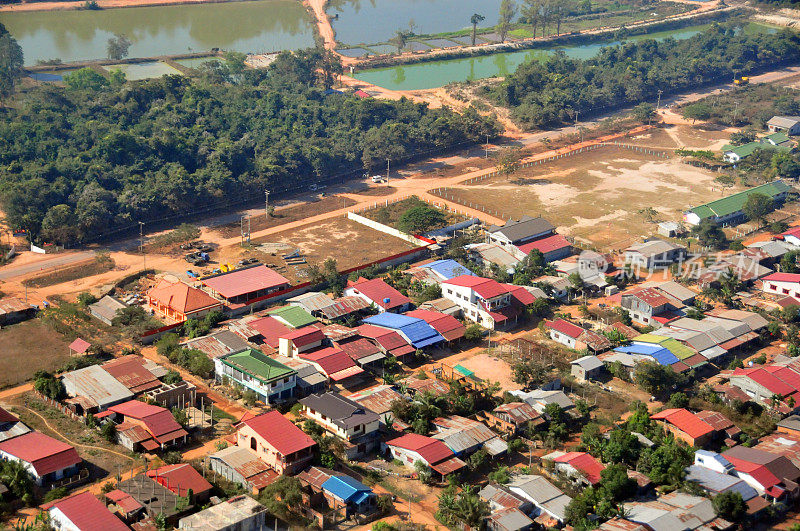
{"points": [[426, 405], [474, 20], [16, 478]]}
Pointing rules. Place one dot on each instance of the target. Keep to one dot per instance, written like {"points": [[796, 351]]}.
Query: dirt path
{"points": [[324, 24]]}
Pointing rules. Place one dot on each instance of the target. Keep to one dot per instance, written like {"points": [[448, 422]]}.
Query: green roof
{"points": [[257, 365], [294, 315], [463, 370], [651, 338], [734, 203], [779, 138], [680, 350]]}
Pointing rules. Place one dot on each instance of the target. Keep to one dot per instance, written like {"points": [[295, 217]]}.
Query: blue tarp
{"points": [[448, 268], [419, 333], [347, 489], [665, 357]]}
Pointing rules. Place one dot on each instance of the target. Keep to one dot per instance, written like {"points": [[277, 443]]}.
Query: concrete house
{"points": [[579, 467], [82, 512], [653, 306], [284, 447], [549, 502], [575, 337], [380, 294], [240, 513], [47, 460], [106, 309], [177, 301], [696, 429], [272, 381], [412, 447], [145, 426], [513, 417], [586, 368], [783, 284], [345, 419], [245, 286], [654, 254], [526, 229], [486, 301], [784, 124], [336, 491]]}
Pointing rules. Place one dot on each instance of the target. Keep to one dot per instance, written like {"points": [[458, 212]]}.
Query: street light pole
{"points": [[141, 245], [487, 147], [266, 203]]}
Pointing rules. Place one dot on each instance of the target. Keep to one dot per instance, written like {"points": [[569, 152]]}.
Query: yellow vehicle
{"points": [[225, 268], [744, 80]]}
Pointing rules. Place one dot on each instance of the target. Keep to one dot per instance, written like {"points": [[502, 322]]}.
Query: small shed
{"points": [[586, 368], [106, 309], [78, 347], [670, 229]]}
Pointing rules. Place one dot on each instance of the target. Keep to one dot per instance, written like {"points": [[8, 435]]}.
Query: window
{"points": [[253, 443]]}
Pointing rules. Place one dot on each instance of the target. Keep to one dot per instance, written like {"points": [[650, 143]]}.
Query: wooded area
{"points": [[546, 94], [98, 154]]}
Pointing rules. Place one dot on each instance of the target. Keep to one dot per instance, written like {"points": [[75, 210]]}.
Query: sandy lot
{"points": [[43, 349], [597, 196]]}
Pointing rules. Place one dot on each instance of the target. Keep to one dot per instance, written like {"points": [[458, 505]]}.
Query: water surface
{"points": [[257, 27]]}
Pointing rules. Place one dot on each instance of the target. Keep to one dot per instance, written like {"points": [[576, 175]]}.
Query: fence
{"points": [[443, 192], [380, 227]]}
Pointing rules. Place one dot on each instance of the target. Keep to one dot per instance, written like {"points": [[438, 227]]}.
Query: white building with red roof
{"points": [[435, 454], [575, 337], [177, 301], [46, 459], [311, 345], [145, 426], [378, 292], [783, 284], [554, 247], [580, 467], [486, 301], [763, 382], [82, 512]]}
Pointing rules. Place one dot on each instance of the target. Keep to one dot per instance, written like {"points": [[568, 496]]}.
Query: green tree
{"points": [[644, 112], [14, 476], [758, 207], [474, 332], [709, 234], [730, 506], [697, 111], [85, 79], [48, 385], [475, 19], [658, 380], [742, 137], [400, 39], [117, 47], [11, 62], [109, 432], [508, 9], [420, 219], [60, 225]]}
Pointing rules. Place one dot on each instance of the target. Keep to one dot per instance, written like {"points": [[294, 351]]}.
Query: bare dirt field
{"points": [[597, 196], [347, 242], [288, 214], [28, 347], [700, 136]]}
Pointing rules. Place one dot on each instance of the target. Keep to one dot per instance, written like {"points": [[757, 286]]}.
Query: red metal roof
{"points": [[782, 277], [448, 466], [87, 513], [284, 436], [565, 327], [44, 453], [243, 281], [651, 296], [344, 374], [304, 336], [80, 346], [360, 348], [585, 463], [5, 417], [786, 375], [131, 372], [270, 329], [766, 379], [377, 290], [431, 450], [182, 297], [388, 339], [124, 501], [485, 287], [686, 421], [522, 295], [180, 478], [331, 360], [545, 245], [159, 421]]}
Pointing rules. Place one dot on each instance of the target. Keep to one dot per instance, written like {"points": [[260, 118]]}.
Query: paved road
{"points": [[47, 262]]}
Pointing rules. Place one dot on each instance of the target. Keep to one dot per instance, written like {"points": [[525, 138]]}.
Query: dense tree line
{"points": [[546, 94], [79, 160]]}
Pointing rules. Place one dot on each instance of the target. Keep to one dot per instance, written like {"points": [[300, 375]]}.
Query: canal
{"points": [[254, 26]]}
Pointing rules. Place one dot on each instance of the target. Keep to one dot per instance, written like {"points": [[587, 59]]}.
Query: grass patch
{"points": [[219, 414], [102, 263], [390, 214]]}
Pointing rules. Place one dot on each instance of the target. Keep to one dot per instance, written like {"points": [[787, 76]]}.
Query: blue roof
{"points": [[448, 268], [419, 333], [661, 354], [347, 489]]}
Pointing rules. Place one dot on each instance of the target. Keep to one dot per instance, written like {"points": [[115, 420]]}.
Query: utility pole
{"points": [[735, 111], [387, 172], [487, 147], [141, 244], [266, 203]]}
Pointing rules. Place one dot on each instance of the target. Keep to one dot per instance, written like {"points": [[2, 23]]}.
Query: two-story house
{"points": [[345, 419], [783, 284], [654, 254], [652, 306], [284, 447], [250, 369], [486, 301]]}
